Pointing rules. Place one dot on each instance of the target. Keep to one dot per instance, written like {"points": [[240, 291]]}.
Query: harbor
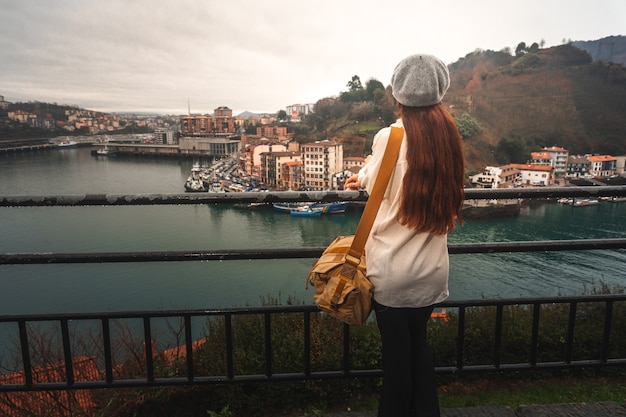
{"points": [[133, 286]]}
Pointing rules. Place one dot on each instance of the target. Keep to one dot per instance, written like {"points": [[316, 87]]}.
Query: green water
{"points": [[165, 285]]}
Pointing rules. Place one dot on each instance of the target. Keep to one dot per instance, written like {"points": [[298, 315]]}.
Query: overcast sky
{"points": [[261, 56]]}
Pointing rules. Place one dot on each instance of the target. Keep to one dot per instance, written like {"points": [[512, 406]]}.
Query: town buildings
{"points": [[546, 166], [322, 162]]}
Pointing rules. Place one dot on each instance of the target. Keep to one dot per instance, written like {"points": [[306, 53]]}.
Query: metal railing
{"points": [[67, 379]]}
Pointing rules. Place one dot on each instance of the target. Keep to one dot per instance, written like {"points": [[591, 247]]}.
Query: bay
{"points": [[166, 285]]}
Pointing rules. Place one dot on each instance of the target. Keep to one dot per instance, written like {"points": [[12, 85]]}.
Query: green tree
{"points": [[512, 149], [355, 84], [467, 125], [521, 49], [374, 90]]}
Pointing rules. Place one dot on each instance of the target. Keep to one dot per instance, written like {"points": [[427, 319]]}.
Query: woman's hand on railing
{"points": [[352, 183]]}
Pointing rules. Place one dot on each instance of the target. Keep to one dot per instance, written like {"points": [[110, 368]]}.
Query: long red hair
{"points": [[432, 189]]}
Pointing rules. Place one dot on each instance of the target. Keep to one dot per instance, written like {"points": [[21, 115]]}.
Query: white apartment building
{"points": [[496, 177], [322, 162], [559, 157]]}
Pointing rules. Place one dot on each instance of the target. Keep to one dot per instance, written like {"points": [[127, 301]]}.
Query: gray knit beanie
{"points": [[420, 80]]}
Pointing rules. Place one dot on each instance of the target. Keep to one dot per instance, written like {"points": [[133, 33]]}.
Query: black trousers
{"points": [[409, 384]]}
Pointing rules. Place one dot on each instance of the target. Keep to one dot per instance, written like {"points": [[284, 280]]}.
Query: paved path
{"points": [[599, 409]]}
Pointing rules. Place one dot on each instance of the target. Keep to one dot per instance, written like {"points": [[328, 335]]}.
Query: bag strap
{"points": [[376, 197]]}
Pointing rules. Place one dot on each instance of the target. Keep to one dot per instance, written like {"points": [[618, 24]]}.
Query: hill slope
{"points": [[554, 97]]}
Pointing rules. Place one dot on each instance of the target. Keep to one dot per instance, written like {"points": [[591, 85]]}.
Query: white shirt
{"points": [[407, 268]]}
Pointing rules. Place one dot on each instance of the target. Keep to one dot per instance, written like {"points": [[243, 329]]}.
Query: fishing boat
{"points": [[194, 183], [306, 211], [338, 207], [287, 207]]}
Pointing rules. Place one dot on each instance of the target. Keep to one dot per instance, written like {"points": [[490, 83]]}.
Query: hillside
{"points": [[554, 97], [517, 104]]}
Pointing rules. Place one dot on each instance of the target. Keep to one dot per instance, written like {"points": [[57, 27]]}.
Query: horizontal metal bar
{"points": [[176, 199], [293, 253], [290, 196], [450, 304]]}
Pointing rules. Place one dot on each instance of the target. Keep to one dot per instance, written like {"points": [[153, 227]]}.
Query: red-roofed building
{"points": [[602, 165], [533, 174], [51, 403]]}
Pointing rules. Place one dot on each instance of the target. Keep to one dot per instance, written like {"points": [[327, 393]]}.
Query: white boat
{"points": [[104, 152], [585, 202], [194, 183], [67, 143]]}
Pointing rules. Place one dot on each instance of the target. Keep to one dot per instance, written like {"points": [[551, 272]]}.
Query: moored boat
{"points": [[194, 183], [585, 202], [67, 143], [338, 207], [306, 211], [287, 207]]}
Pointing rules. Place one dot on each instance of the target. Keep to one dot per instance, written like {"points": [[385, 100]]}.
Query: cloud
{"points": [[249, 55]]}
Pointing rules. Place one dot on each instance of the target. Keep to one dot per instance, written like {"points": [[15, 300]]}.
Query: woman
{"points": [[407, 256]]}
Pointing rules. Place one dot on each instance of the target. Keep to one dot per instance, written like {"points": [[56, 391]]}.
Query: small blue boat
{"points": [[331, 208]]}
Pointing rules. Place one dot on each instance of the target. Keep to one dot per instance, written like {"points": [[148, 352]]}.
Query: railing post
{"points": [[534, 340], [268, 345], [307, 343], [189, 348], [460, 339], [108, 357], [606, 338], [148, 349], [28, 370], [228, 334], [498, 336], [570, 332], [67, 353]]}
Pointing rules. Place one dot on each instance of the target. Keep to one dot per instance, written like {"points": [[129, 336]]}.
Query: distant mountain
{"points": [[247, 115], [609, 49]]}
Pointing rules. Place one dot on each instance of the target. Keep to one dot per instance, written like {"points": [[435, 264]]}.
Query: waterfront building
{"points": [[578, 166], [558, 159], [271, 172], [256, 167], [533, 174], [620, 164], [291, 175], [163, 136], [496, 177], [214, 146], [602, 165], [196, 125], [222, 122], [322, 162], [541, 158]]}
